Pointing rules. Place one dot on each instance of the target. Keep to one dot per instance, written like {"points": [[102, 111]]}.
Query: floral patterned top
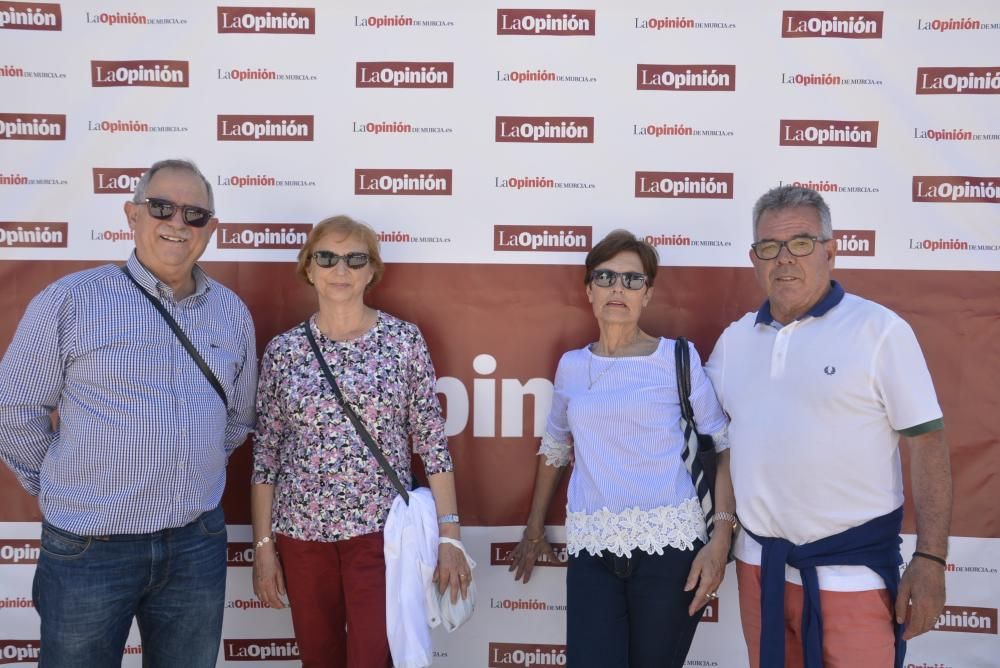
{"points": [[328, 485]]}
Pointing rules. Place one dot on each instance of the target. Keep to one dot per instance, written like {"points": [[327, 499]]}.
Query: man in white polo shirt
{"points": [[819, 386]]}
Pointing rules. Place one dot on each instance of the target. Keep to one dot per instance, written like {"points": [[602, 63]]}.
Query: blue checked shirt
{"points": [[142, 438]]}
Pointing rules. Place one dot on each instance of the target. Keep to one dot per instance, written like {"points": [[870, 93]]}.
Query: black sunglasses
{"points": [[327, 259], [605, 278], [163, 209]]}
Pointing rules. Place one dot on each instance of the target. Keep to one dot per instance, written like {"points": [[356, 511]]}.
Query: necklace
{"points": [[590, 363]]}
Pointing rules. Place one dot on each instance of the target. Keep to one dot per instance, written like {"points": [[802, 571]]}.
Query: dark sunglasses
{"points": [[605, 278], [163, 209], [327, 259]]}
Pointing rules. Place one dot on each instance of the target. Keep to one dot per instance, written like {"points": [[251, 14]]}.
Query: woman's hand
{"points": [[707, 571], [268, 578], [524, 555], [452, 571]]}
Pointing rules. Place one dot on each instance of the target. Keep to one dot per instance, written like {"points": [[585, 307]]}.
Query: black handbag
{"points": [[699, 449]]}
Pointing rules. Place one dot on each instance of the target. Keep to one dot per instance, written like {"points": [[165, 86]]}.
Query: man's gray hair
{"points": [[173, 163], [786, 197]]}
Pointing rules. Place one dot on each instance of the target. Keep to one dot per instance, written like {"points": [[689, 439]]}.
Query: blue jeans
{"points": [[629, 612], [87, 589]]}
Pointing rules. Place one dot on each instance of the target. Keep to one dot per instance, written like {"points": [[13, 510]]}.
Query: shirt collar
{"points": [[832, 297], [151, 284]]}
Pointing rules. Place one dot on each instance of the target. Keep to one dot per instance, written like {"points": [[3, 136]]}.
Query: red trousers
{"points": [[337, 594]]}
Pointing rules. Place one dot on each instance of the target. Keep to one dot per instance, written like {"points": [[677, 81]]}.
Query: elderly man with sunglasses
{"points": [[152, 370], [819, 385]]}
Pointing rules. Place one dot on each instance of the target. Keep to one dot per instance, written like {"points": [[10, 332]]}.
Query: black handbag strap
{"points": [[182, 337], [355, 420], [682, 363]]}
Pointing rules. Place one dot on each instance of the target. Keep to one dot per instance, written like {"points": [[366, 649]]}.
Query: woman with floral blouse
{"points": [[319, 497]]}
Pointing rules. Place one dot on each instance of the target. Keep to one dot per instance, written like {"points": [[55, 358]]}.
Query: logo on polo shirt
{"points": [[402, 181], [116, 180], [686, 77], [500, 555], [525, 655], [958, 80], [33, 126], [855, 242], [537, 238], [19, 651], [851, 24], [400, 74], [560, 22], [264, 128], [33, 235], [965, 619], [270, 20], [260, 649], [545, 129], [857, 134], [956, 189], [19, 551], [688, 185], [30, 16]]}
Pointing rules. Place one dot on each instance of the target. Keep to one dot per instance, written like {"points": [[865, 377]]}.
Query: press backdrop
{"points": [[491, 145]]}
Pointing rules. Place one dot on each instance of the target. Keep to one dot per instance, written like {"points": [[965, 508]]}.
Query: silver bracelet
{"points": [[723, 516], [450, 518]]}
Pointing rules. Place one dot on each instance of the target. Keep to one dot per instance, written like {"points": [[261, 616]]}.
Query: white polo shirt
{"points": [[817, 407]]}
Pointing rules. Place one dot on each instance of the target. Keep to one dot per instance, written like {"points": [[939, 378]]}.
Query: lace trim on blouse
{"points": [[556, 453], [635, 529], [721, 439]]}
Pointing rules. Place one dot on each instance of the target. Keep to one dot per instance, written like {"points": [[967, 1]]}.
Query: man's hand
{"points": [[922, 586]]}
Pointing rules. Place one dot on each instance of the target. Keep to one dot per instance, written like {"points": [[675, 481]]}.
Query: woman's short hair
{"points": [[342, 226], [623, 241]]}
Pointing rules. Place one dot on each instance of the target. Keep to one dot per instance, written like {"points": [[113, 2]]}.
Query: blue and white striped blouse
{"points": [[629, 488]]}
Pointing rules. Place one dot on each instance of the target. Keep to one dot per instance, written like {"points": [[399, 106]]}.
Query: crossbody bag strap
{"points": [[182, 337], [353, 417], [690, 455], [682, 363]]}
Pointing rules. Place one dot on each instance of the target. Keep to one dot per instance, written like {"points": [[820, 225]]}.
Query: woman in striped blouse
{"points": [[640, 571]]}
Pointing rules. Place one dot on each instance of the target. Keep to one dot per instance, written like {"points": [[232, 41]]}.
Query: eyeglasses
{"points": [[605, 278], [163, 209], [798, 246], [327, 259]]}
